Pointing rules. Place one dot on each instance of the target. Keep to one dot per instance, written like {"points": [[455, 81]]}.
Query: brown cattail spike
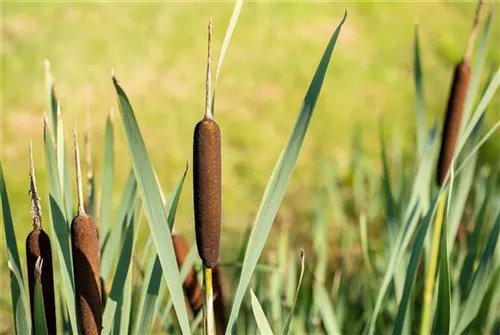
{"points": [[86, 262], [38, 245], [207, 181], [456, 101], [192, 287]]}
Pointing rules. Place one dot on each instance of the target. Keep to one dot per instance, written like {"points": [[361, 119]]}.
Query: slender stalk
{"points": [[209, 301], [81, 209], [208, 90], [431, 274]]}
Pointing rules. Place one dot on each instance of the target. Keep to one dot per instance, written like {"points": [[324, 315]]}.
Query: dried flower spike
{"points": [[38, 245], [86, 262]]}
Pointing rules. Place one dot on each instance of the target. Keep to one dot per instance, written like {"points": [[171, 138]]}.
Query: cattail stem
{"points": [[208, 83], [36, 211], [81, 208], [473, 32], [431, 274], [209, 301]]}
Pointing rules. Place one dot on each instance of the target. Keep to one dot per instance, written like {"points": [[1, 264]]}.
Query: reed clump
{"points": [[207, 179], [38, 246], [86, 262]]}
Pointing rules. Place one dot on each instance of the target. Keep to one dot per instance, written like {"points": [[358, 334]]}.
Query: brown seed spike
{"points": [[207, 180], [86, 262], [192, 287], [453, 119], [207, 189], [38, 245]]}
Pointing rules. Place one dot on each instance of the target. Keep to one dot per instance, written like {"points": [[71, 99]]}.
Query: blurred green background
{"points": [[159, 53]]}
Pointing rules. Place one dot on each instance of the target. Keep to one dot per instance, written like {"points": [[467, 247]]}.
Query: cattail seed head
{"points": [[207, 180], [85, 247], [86, 262], [207, 190], [38, 245], [192, 287]]}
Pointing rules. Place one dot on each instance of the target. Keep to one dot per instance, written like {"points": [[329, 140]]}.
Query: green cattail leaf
{"points": [[280, 177], [39, 306], [112, 240], [288, 323], [473, 243], [60, 226], [419, 101], [225, 45], [20, 304], [390, 206], [260, 316], [107, 178], [122, 271], [51, 96], [149, 295], [123, 319], [481, 281], [477, 71], [411, 271], [92, 209], [188, 264], [155, 213], [410, 220], [442, 310], [327, 312], [148, 301], [196, 322], [479, 112], [278, 278]]}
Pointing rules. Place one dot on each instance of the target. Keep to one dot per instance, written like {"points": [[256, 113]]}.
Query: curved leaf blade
{"points": [[153, 206], [280, 178]]}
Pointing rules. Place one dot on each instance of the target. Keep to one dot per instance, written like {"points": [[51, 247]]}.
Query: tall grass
{"points": [[369, 280]]}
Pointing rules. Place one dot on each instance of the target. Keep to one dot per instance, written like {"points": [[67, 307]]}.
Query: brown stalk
{"points": [[86, 262], [38, 246]]}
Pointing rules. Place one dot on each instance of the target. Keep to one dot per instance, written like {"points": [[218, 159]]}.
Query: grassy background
{"points": [[158, 51]]}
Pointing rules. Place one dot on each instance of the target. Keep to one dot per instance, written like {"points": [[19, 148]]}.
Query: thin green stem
{"points": [[209, 301], [431, 275]]}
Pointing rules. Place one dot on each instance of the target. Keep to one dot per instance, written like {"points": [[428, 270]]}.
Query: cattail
{"points": [[456, 100], [38, 245], [85, 246], [192, 287], [207, 179]]}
